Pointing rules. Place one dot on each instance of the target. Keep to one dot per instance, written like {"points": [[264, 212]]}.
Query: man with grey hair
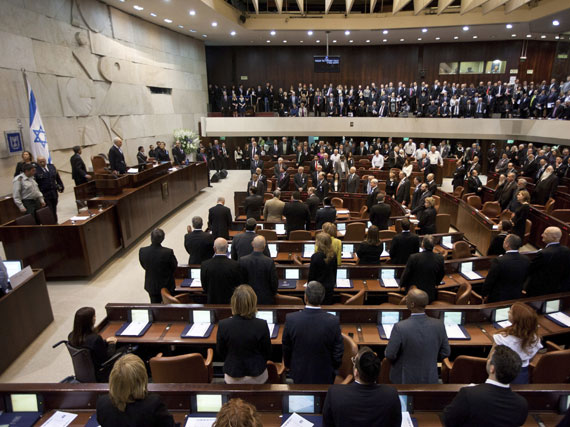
{"points": [[514, 204], [312, 341], [159, 264], [220, 219], [549, 271], [199, 244], [273, 209], [352, 181], [372, 193], [116, 157], [220, 275], [258, 271]]}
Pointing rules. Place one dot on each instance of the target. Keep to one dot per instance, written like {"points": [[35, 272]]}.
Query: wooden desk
{"points": [[477, 227], [8, 209], [24, 313]]}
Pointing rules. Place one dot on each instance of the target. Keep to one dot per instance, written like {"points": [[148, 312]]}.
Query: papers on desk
{"points": [[343, 283], [78, 218], [196, 283], [198, 330], [271, 327], [60, 419], [342, 211], [172, 169], [388, 329], [308, 254], [504, 324], [20, 277], [295, 420], [200, 422], [346, 255], [390, 283], [133, 170], [495, 227], [471, 275], [560, 317], [454, 332], [407, 420], [384, 254], [134, 329]]}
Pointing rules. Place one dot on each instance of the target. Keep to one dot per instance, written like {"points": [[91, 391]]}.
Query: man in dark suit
{"points": [[178, 154], [352, 181], [257, 183], [283, 179], [255, 163], [416, 344], [372, 193], [545, 187], [508, 190], [49, 183], [301, 179], [530, 166], [253, 204], [496, 246], [220, 275], [322, 186], [116, 157], [549, 271], [507, 273], [380, 213], [404, 244], [474, 184], [199, 244], [312, 342], [492, 403], [423, 195], [312, 202], [424, 270], [275, 150], [220, 219], [159, 264], [296, 213], [78, 169], [241, 243], [403, 189], [326, 214], [417, 193], [363, 402], [258, 271]]}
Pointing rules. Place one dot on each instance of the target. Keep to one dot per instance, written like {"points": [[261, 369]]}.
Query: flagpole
{"points": [[26, 85]]}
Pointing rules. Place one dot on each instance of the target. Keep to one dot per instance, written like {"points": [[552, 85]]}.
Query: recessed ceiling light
{"points": [[509, 26], [181, 26], [214, 24], [272, 33], [401, 40], [192, 12], [284, 41], [419, 39], [153, 14], [474, 37], [347, 33], [122, 1], [351, 41], [557, 37], [137, 7], [556, 23], [268, 41], [455, 38], [192, 31], [513, 35], [367, 41], [204, 35], [168, 21], [310, 33], [233, 33], [543, 36], [385, 40], [318, 41], [424, 30], [334, 41], [528, 36], [385, 32], [301, 41], [437, 38], [466, 28]]}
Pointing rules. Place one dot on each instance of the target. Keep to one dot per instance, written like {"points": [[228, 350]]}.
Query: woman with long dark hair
{"points": [[26, 158], [370, 249]]}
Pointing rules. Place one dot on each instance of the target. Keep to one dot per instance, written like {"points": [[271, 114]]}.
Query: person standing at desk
{"points": [[141, 158], [424, 270], [50, 183], [199, 244], [78, 169], [324, 265], [259, 272], [404, 244], [220, 275], [25, 191], [380, 212], [116, 157], [178, 154], [220, 219], [159, 264]]}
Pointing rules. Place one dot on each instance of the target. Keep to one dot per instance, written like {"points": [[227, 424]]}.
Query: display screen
{"points": [[348, 248], [342, 273], [201, 316], [208, 402], [309, 248], [390, 317], [195, 273], [387, 273], [552, 306], [304, 404], [280, 228], [466, 266], [452, 317], [12, 267], [140, 316], [266, 315], [272, 249], [341, 226], [24, 403], [502, 314], [327, 64], [292, 274]]}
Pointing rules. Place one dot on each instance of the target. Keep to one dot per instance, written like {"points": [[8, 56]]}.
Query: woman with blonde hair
{"points": [[323, 266], [237, 413], [521, 337], [243, 340], [128, 402], [427, 217], [330, 229]]}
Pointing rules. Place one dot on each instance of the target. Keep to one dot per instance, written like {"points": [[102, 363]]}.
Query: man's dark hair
{"points": [[380, 197], [327, 201], [296, 195], [197, 223], [250, 224], [368, 365], [28, 166], [140, 147], [315, 293], [405, 224], [513, 241], [156, 236], [427, 243], [507, 364], [76, 149], [506, 225], [253, 190]]}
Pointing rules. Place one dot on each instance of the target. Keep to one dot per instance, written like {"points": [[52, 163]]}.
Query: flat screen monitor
{"points": [[13, 267], [327, 64], [292, 274], [341, 273]]}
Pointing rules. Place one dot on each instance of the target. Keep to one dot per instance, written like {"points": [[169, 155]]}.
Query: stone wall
{"points": [[90, 66]]}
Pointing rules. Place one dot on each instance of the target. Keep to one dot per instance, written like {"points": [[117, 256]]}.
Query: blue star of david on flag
{"points": [[40, 136]]}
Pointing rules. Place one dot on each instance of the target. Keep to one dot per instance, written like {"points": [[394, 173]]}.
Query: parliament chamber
{"points": [[228, 199]]}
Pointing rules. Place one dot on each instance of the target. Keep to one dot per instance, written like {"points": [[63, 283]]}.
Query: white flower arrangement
{"points": [[189, 141]]}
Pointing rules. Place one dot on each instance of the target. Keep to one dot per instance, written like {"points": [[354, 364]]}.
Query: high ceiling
{"points": [[307, 22]]}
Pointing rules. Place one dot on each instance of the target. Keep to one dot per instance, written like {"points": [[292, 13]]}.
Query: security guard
{"points": [[26, 193]]}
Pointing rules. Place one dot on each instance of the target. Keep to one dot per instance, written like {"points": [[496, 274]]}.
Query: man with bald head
{"points": [[549, 271], [116, 157], [258, 271], [416, 344], [50, 183], [220, 275]]}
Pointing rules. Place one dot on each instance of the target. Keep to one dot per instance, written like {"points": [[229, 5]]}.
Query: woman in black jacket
{"points": [[323, 266], [427, 217], [521, 215], [369, 250], [243, 340]]}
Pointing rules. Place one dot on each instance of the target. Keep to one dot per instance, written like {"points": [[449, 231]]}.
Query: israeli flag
{"points": [[39, 145]]}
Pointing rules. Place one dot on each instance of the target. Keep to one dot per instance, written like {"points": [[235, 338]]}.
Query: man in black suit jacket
{"points": [[78, 169], [474, 184], [363, 402], [492, 404], [404, 244], [296, 213], [241, 243], [496, 246], [257, 183], [545, 187], [549, 271], [312, 342], [403, 189], [352, 181], [507, 273], [326, 214], [116, 157], [220, 219], [508, 191], [283, 180], [199, 244], [372, 194], [178, 154], [253, 204], [255, 163], [301, 179], [313, 202], [49, 183], [159, 264], [423, 195], [322, 186], [380, 213], [258, 271], [416, 344], [424, 270], [530, 166], [220, 275]]}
